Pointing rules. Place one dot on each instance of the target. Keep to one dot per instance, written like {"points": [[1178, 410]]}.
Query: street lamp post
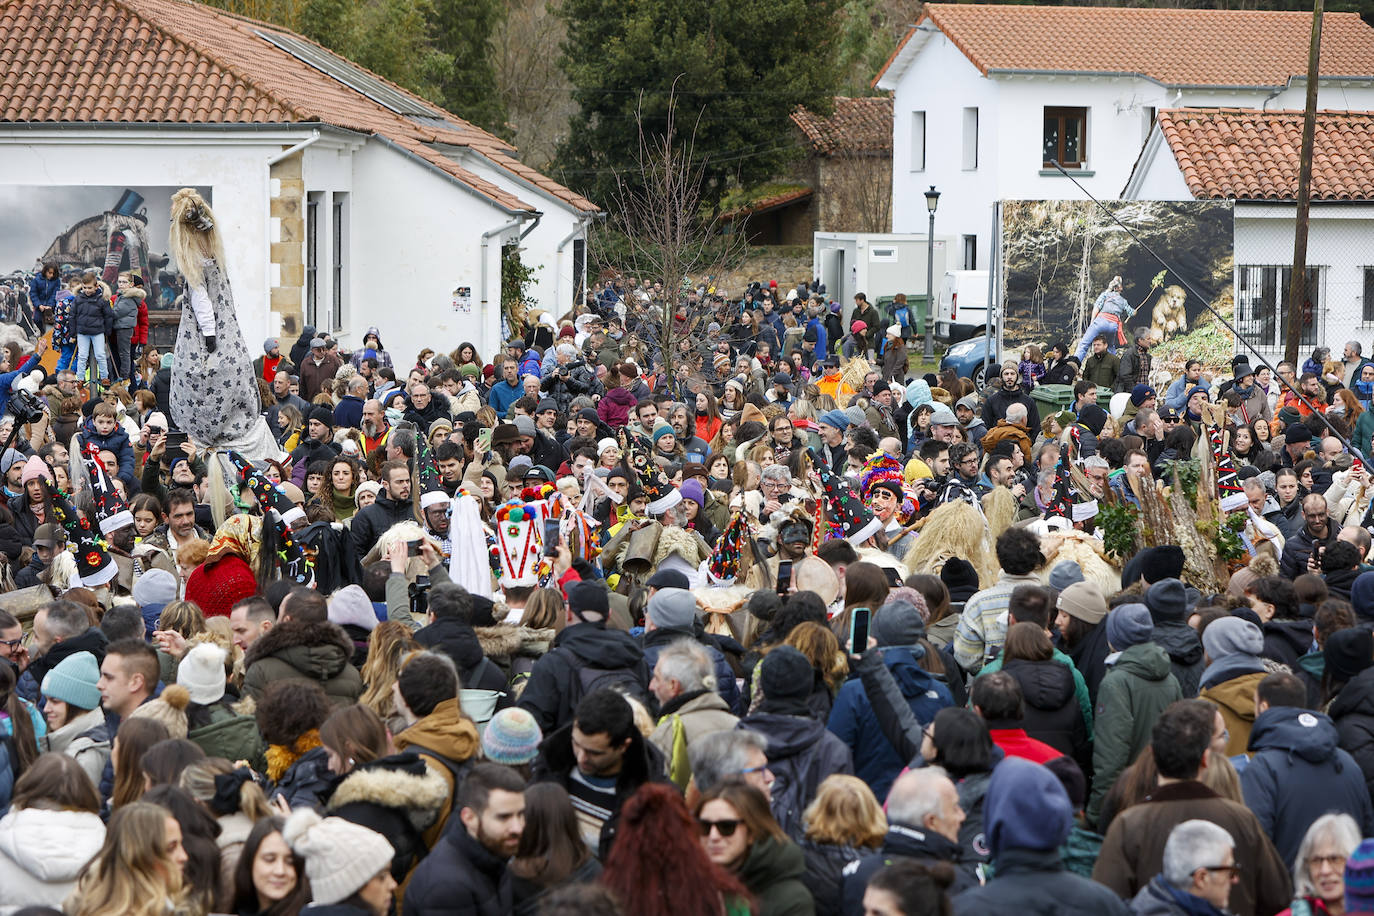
{"points": [[932, 201]]}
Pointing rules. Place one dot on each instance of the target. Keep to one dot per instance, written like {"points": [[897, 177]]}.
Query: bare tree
{"points": [[856, 191], [658, 212], [537, 94]]}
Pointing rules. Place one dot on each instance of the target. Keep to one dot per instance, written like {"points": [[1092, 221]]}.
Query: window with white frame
{"points": [[918, 141], [970, 162]]}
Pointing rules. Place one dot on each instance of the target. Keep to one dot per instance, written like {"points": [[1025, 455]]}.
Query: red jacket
{"points": [[1014, 742], [141, 329]]}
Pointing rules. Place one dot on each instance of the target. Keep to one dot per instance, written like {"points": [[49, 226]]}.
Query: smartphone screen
{"points": [[858, 630], [785, 578], [551, 537]]}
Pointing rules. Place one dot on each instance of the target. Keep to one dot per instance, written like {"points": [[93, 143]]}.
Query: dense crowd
{"points": [[702, 607]]}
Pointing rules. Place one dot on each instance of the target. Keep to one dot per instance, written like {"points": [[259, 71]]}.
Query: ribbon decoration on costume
{"points": [[281, 512], [727, 556], [1229, 491], [1061, 502], [94, 564]]}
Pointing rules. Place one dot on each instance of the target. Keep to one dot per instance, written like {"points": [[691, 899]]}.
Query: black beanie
{"points": [[1347, 653], [588, 597], [960, 578], [785, 674], [323, 414]]}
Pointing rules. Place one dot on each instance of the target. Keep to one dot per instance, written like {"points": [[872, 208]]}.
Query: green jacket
{"points": [[230, 736], [1080, 851], [1136, 689], [1080, 686], [1364, 431], [773, 874], [1101, 370]]}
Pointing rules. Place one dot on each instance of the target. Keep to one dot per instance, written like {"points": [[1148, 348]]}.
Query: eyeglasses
{"points": [[1329, 861], [1233, 870], [745, 772], [12, 643], [725, 828]]}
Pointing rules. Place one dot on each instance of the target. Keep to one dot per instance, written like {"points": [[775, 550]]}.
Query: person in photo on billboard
{"points": [[1111, 311]]}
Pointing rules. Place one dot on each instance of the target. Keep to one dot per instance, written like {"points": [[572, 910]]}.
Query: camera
{"points": [[419, 596], [26, 407]]}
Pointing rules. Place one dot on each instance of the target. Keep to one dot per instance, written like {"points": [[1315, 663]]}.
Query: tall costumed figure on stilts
{"points": [[213, 396]]}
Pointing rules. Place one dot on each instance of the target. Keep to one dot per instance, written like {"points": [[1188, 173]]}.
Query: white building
{"points": [[1252, 157], [985, 97], [344, 200]]}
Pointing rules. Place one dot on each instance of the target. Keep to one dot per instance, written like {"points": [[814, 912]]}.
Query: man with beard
{"points": [[449, 456], [832, 425], [466, 870], [685, 430], [271, 362], [879, 412], [374, 426], [542, 448], [1302, 552], [1009, 392], [1136, 362], [391, 506], [782, 435], [317, 372]]}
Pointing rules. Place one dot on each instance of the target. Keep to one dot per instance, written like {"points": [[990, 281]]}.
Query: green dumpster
{"points": [[1052, 398]]}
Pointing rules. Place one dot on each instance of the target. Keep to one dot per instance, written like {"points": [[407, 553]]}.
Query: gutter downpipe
{"points": [[510, 224], [578, 228], [284, 154]]}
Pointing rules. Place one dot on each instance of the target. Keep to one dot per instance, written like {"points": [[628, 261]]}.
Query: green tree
{"points": [[738, 68], [463, 29]]}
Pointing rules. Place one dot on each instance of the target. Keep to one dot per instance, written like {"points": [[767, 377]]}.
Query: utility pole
{"points": [[1297, 285]]}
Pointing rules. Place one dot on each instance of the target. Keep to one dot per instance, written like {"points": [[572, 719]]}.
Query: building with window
{"points": [[345, 201], [987, 98], [1252, 157]]}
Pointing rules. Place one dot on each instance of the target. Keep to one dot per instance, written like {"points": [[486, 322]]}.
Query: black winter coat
{"points": [[1052, 711], [567, 382], [997, 403], [91, 315], [307, 780], [643, 763], [460, 877], [370, 523], [459, 642], [903, 842], [1353, 712], [549, 694], [1286, 641], [1090, 658], [1180, 642], [1032, 882], [801, 754], [825, 864]]}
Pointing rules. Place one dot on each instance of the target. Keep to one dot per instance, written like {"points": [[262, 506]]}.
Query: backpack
{"points": [[587, 678]]}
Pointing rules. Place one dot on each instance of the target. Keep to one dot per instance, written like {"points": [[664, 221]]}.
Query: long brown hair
{"points": [[25, 743], [136, 737], [749, 804], [356, 733], [551, 846], [1027, 641], [822, 650], [56, 782]]}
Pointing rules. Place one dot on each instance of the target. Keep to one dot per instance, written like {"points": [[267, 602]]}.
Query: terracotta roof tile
{"points": [[1247, 154], [148, 61], [862, 126], [1175, 47]]}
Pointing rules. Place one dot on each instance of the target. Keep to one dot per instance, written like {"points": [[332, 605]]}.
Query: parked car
{"points": [[970, 359], [963, 305]]}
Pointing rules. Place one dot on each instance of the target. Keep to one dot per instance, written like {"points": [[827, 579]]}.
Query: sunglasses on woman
{"points": [[725, 828]]}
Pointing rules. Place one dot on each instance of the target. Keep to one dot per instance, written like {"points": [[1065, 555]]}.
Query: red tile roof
{"points": [[1248, 154], [1175, 47], [150, 61], [763, 205], [857, 126]]}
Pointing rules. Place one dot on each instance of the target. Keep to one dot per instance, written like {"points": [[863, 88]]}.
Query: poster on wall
{"points": [[1071, 273], [106, 228]]}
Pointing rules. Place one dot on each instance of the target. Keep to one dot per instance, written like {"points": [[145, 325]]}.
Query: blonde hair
{"points": [[199, 779], [194, 236], [845, 813], [387, 647], [822, 650], [185, 617], [132, 874]]}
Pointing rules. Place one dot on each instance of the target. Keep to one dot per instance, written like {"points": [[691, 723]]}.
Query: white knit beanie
{"points": [[201, 672], [340, 856]]}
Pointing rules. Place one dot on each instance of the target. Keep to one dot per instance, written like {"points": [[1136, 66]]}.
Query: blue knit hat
{"points": [[661, 430], [1359, 879], [74, 681], [511, 737], [835, 418]]}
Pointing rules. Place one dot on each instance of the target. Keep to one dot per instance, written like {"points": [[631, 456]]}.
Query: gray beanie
{"points": [[673, 609], [1232, 636], [1065, 574], [898, 623], [1129, 625]]}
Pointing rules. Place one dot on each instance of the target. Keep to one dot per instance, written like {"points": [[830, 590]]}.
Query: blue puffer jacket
{"points": [[118, 442], [876, 761], [42, 290], [91, 314], [1297, 774]]}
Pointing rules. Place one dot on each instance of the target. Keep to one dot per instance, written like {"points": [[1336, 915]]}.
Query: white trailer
{"points": [[879, 265]]}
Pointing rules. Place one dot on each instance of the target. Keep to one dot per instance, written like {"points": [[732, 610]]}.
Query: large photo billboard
{"points": [[107, 228], [1071, 272]]}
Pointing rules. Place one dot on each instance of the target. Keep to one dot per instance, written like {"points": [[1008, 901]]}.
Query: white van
{"points": [[963, 306]]}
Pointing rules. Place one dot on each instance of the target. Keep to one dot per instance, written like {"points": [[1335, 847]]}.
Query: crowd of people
{"points": [[719, 610]]}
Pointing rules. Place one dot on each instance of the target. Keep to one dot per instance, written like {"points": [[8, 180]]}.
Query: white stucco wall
{"points": [[233, 165], [942, 82]]}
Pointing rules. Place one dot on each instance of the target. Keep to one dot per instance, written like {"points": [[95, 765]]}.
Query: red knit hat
{"points": [[218, 587]]}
